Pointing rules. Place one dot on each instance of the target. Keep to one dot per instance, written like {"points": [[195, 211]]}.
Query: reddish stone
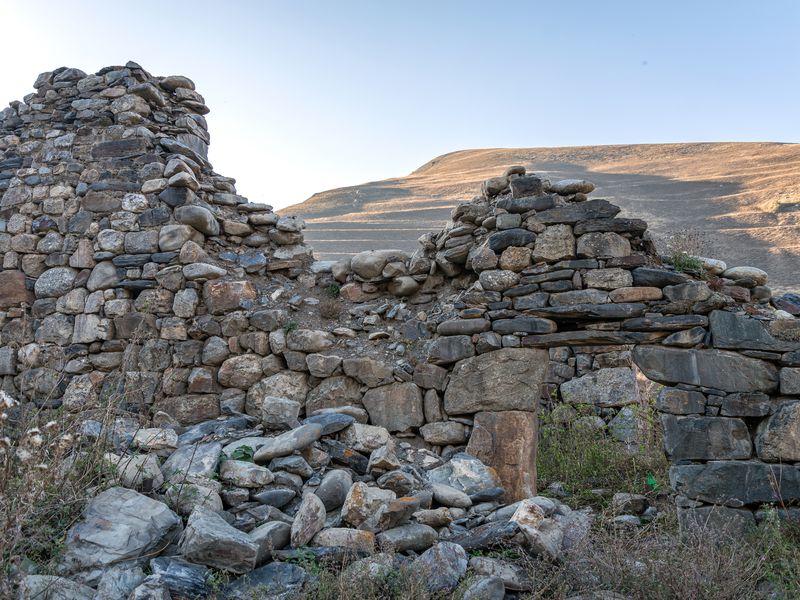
{"points": [[737, 292], [12, 289], [353, 292], [221, 296], [506, 441]]}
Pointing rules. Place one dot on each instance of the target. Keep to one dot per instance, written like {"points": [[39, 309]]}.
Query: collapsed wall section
{"points": [[132, 271]]}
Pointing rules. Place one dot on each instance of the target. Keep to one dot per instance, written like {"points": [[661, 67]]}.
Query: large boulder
{"points": [[118, 526], [506, 441], [726, 371], [507, 379], [55, 282]]}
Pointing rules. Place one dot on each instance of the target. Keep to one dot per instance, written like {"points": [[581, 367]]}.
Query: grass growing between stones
{"points": [[657, 563], [45, 482], [589, 462], [654, 562]]}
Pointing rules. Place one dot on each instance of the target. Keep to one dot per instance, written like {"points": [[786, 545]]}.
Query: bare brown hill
{"points": [[746, 196]]}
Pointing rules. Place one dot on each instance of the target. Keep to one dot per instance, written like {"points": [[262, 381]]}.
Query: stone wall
{"points": [[133, 272]]}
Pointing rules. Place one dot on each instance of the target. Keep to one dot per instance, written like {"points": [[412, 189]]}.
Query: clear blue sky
{"points": [[307, 96]]}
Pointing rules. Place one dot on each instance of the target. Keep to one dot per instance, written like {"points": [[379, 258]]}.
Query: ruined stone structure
{"points": [[134, 274]]}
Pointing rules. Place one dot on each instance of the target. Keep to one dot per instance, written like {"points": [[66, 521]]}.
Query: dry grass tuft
{"points": [[330, 308]]}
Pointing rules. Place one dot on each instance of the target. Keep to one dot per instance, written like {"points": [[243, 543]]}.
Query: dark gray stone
{"points": [[450, 349], [275, 580], [591, 338], [718, 520], [519, 205], [501, 240], [486, 536], [681, 402], [649, 277], [177, 196], [128, 148], [331, 422], [526, 185], [442, 566], [582, 312], [738, 332], [716, 369], [736, 483], [746, 405], [183, 579], [614, 225], [582, 211], [670, 323], [463, 326], [523, 325], [705, 438]]}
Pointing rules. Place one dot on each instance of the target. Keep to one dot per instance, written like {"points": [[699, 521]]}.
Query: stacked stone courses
{"points": [[133, 273]]}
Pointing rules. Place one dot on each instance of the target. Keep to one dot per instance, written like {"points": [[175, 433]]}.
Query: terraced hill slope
{"points": [[744, 196]]}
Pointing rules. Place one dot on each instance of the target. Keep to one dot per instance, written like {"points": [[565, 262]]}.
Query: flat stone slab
{"points": [[717, 369], [704, 438], [581, 211], [736, 483], [671, 323], [590, 312], [738, 332], [591, 338], [506, 379]]}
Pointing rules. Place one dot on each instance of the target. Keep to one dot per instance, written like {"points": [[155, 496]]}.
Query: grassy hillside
{"points": [[746, 196]]}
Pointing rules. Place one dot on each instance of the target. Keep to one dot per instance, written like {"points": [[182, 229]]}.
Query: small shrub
{"points": [[245, 453], [290, 326], [333, 290], [330, 308], [684, 263]]}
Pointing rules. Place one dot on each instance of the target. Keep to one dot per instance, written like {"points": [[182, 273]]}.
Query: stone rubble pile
{"points": [[250, 429], [332, 488]]}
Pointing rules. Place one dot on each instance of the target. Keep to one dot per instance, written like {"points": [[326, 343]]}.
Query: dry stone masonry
{"points": [[267, 402]]}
